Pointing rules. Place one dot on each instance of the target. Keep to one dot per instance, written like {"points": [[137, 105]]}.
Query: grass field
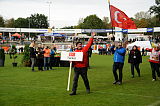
{"points": [[20, 86]]}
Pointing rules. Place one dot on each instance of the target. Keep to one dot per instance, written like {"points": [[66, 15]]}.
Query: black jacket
{"points": [[135, 56], [32, 52], [40, 53]]}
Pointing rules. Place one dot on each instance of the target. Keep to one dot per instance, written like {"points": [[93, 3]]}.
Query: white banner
{"points": [[71, 56], [8, 29], [157, 29], [67, 31], [137, 30]]}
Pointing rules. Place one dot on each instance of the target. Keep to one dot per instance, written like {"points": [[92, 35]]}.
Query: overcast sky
{"points": [[67, 12]]}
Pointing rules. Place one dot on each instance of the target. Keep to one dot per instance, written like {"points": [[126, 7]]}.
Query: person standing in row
{"points": [[52, 60], [119, 57], [135, 59], [154, 63], [81, 68], [32, 54], [40, 57], [47, 52]]}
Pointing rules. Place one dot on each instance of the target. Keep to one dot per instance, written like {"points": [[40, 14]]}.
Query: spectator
{"points": [[40, 57], [143, 52], [47, 52], [32, 55], [135, 59], [52, 54]]}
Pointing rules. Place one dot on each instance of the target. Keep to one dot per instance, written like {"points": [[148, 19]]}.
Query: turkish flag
{"points": [[71, 54], [120, 19]]}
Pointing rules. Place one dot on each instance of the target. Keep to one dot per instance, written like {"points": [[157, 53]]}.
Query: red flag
{"points": [[71, 54], [120, 19]]}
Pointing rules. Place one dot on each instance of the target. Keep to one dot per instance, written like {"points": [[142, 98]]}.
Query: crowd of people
{"points": [[43, 55]]}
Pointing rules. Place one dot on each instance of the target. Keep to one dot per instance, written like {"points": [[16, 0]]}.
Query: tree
{"points": [[153, 22], [10, 23], [1, 21], [38, 21], [21, 23], [107, 25], [91, 22], [26, 58], [142, 23], [156, 10], [141, 15]]}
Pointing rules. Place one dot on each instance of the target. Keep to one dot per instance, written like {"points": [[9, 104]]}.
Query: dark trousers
{"points": [[40, 63], [117, 66], [136, 65], [155, 68], [83, 73], [51, 62]]}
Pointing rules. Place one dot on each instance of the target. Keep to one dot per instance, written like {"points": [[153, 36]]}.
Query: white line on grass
{"points": [[157, 97], [157, 103], [104, 92]]}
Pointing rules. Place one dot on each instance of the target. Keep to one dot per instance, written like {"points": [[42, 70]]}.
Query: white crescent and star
{"points": [[116, 17]]}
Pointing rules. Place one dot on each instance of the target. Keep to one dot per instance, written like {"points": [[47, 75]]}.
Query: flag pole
{"points": [[110, 16], [69, 76]]}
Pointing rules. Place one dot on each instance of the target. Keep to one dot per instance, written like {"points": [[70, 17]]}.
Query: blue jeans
{"points": [[33, 60], [46, 63]]}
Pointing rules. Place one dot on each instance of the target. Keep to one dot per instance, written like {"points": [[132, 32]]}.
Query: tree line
{"points": [[142, 19], [34, 21]]}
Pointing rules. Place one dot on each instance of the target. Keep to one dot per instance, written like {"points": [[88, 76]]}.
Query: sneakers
{"points": [[87, 91], [153, 79], [72, 93], [115, 82], [119, 83]]}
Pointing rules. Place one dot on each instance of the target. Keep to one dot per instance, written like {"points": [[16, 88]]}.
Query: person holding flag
{"points": [[119, 58], [81, 67]]}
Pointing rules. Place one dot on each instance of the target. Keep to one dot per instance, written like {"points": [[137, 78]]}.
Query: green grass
{"points": [[20, 86]]}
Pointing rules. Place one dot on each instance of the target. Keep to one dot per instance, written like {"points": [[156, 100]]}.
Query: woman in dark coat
{"points": [[32, 55], [135, 58]]}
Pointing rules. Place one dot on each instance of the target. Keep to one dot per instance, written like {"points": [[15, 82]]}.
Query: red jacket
{"points": [[154, 56], [84, 62]]}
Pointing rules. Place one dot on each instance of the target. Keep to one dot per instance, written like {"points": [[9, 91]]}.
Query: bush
{"points": [[26, 57], [2, 57]]}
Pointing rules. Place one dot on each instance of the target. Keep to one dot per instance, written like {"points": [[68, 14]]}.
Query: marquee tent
{"points": [[17, 35], [141, 44]]}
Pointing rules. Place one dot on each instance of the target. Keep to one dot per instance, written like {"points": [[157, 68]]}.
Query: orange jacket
{"points": [[47, 52]]}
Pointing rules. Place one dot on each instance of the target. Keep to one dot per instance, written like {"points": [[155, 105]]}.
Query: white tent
{"points": [[141, 44]]}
